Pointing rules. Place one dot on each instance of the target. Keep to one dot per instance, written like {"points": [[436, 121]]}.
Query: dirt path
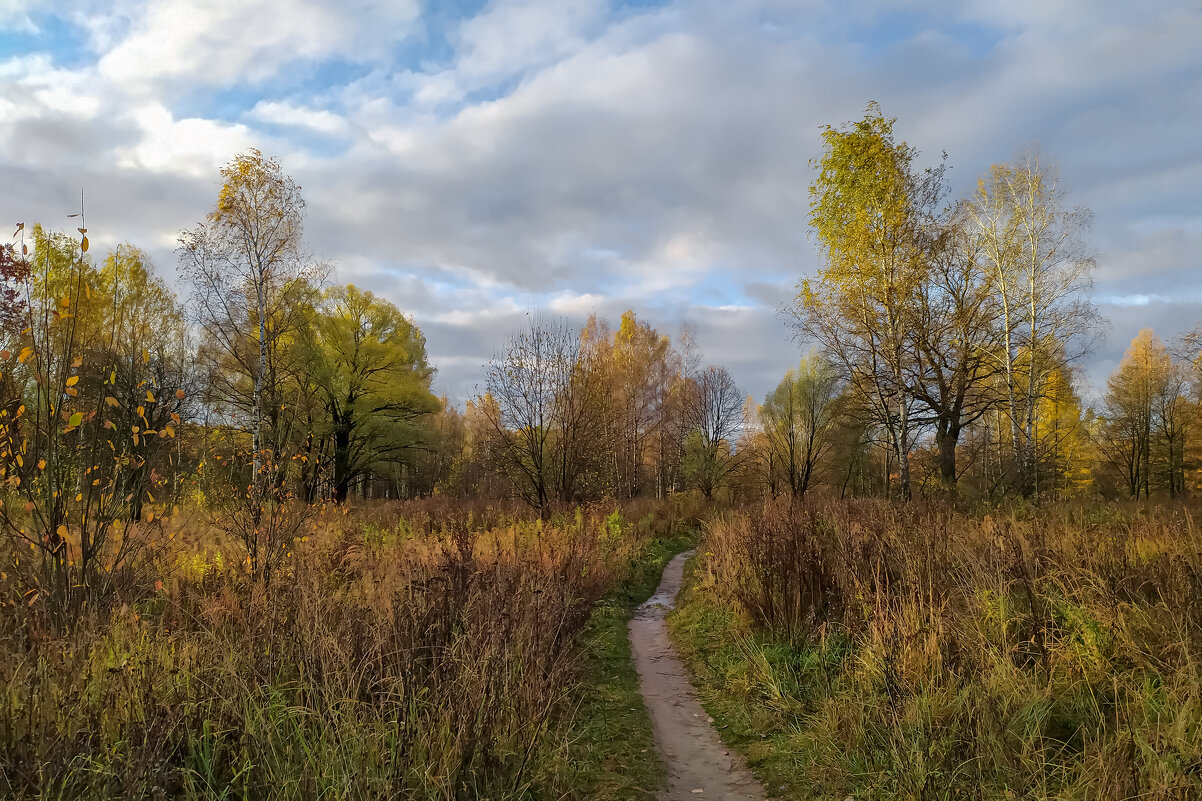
{"points": [[699, 765]]}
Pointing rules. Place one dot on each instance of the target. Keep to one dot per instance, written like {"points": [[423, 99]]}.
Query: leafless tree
{"points": [[714, 416], [536, 408]]}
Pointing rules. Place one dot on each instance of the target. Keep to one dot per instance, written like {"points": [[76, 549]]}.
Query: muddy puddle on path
{"points": [[699, 765]]}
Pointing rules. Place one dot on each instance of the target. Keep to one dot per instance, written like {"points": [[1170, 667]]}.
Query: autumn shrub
{"points": [[401, 650], [91, 395], [915, 652]]}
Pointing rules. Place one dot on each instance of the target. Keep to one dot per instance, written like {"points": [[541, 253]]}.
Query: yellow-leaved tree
{"points": [[868, 211], [1145, 417]]}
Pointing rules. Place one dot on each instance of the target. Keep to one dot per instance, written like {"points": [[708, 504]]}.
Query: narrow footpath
{"points": [[700, 766]]}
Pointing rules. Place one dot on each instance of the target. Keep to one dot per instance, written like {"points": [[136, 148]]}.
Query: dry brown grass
{"points": [[419, 650], [914, 652]]}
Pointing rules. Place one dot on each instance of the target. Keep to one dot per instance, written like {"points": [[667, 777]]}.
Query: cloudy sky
{"points": [[474, 161]]}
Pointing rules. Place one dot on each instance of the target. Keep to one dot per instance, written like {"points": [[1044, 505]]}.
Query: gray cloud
{"points": [[652, 159]]}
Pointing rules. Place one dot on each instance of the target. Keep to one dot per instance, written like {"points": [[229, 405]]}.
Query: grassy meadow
{"points": [[862, 650], [400, 650]]}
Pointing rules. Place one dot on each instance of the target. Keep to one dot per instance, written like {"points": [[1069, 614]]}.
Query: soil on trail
{"points": [[699, 765]]}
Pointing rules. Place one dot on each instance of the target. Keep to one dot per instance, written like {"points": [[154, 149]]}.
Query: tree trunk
{"points": [[342, 462], [947, 437]]}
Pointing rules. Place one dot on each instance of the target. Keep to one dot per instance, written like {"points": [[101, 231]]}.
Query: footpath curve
{"points": [[699, 765]]}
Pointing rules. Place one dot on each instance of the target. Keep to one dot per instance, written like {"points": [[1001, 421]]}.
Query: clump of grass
{"points": [[882, 652], [439, 658]]}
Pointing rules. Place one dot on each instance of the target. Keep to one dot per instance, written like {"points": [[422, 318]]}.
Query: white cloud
{"points": [[219, 42], [318, 120], [14, 16], [576, 304], [194, 146], [511, 36]]}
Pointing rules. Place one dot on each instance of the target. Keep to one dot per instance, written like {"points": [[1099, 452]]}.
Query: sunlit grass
{"points": [[421, 650], [869, 651]]}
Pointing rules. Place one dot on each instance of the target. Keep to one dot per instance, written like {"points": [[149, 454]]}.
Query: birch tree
{"points": [[249, 272], [865, 211], [1034, 251]]}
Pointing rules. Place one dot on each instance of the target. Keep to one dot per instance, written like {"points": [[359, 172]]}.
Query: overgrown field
{"points": [[419, 650], [871, 651]]}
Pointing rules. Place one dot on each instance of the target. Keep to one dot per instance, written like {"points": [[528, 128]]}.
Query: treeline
{"points": [[262, 388], [261, 367], [948, 337], [573, 416]]}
